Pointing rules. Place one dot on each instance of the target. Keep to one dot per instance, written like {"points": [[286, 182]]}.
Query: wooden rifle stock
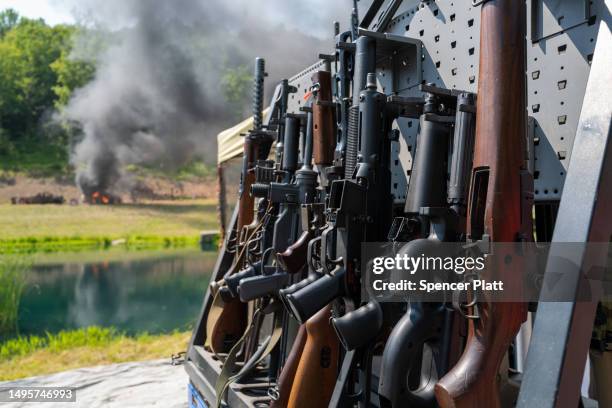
{"points": [[287, 375], [324, 131], [500, 206], [246, 201], [229, 319], [293, 259], [316, 373]]}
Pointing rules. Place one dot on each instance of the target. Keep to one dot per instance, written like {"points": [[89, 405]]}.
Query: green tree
{"points": [[26, 54], [8, 19], [36, 74], [236, 84], [71, 75]]}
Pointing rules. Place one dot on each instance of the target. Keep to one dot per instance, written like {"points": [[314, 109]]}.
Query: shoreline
{"points": [[28, 356], [34, 245]]}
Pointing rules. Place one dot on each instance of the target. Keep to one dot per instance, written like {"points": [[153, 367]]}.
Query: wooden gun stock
{"points": [[324, 131], [293, 259], [316, 374], [246, 202], [499, 203], [227, 320], [227, 326], [287, 375]]}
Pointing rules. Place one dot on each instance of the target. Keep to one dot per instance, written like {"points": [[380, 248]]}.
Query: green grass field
{"points": [[28, 228], [38, 355]]}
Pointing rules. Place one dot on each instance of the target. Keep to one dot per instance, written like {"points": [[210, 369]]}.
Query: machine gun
{"points": [[346, 200], [265, 173], [286, 195], [352, 206], [297, 187], [345, 52], [434, 214], [277, 229], [290, 249], [500, 205], [228, 321]]}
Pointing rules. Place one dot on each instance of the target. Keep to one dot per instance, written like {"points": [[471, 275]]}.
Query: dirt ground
{"points": [[145, 189]]}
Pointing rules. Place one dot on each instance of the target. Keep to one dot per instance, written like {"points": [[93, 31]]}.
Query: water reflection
{"points": [[156, 294]]}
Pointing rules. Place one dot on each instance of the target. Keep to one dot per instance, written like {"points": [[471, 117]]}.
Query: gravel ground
{"points": [[140, 384]]}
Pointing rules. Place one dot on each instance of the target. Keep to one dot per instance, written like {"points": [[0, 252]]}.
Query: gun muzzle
{"points": [[307, 301], [233, 280], [360, 326], [258, 286]]}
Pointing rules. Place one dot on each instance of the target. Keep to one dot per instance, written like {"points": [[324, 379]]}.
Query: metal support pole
{"points": [[562, 331], [222, 209]]}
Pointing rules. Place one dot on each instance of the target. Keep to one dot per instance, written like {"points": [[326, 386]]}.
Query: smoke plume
{"points": [[156, 98]]}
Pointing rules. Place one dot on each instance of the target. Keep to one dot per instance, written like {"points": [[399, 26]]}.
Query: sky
{"points": [[311, 12], [49, 10]]}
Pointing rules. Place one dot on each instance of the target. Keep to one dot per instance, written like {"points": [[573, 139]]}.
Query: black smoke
{"points": [[156, 98]]}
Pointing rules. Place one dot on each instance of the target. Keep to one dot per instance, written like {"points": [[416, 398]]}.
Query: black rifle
{"points": [[417, 351], [299, 187]]}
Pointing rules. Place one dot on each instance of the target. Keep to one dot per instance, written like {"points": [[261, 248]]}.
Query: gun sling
{"points": [[225, 378]]}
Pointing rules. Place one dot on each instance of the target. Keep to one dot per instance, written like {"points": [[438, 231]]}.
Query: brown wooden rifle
{"points": [[500, 205], [318, 367]]}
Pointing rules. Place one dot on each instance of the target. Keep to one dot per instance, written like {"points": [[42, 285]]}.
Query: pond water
{"points": [[156, 292]]}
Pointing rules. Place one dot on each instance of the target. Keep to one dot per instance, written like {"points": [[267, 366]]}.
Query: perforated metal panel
{"points": [[561, 39], [560, 43], [302, 81], [449, 59]]}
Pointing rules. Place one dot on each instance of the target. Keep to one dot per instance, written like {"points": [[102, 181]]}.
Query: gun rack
{"points": [[437, 42]]}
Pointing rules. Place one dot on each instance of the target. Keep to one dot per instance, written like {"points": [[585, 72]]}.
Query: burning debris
{"points": [[104, 198], [101, 198]]}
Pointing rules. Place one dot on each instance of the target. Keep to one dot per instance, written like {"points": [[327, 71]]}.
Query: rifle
{"points": [[318, 364], [499, 208], [285, 380], [318, 148], [285, 196], [345, 51], [265, 173], [353, 204], [228, 319], [347, 200], [428, 223], [365, 62]]}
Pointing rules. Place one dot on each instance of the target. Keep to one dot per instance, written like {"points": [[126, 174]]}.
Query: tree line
{"points": [[37, 77]]}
